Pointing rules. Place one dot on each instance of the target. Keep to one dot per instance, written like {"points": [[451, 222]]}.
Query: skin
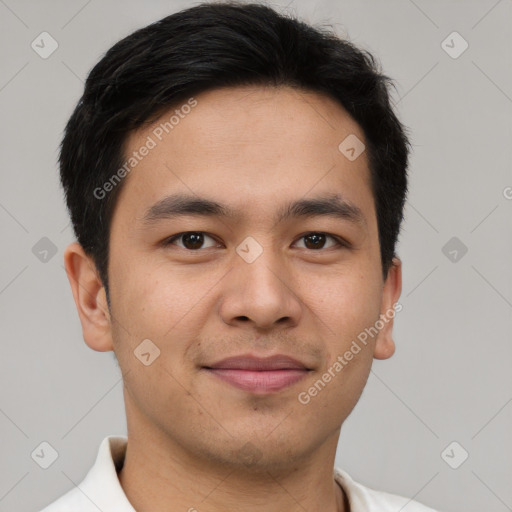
{"points": [[253, 149]]}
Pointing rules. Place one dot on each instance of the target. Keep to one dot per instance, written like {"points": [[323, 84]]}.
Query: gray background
{"points": [[450, 379]]}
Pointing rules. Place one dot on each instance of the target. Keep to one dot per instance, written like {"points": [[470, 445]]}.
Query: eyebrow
{"points": [[331, 205]]}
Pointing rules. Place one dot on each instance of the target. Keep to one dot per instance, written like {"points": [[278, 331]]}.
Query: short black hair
{"points": [[213, 45]]}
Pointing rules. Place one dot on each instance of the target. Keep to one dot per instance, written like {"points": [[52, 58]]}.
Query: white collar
{"points": [[101, 489]]}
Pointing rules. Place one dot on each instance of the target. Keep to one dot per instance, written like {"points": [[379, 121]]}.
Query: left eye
{"points": [[318, 239], [194, 240]]}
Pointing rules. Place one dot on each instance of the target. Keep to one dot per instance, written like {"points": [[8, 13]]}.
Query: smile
{"points": [[259, 381]]}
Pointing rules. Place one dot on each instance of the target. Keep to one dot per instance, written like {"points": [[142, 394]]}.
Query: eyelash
{"points": [[339, 241]]}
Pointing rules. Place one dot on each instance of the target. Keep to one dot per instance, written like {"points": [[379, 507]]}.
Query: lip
{"points": [[259, 375], [255, 363]]}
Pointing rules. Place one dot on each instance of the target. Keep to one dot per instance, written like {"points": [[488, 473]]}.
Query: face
{"points": [[248, 276]]}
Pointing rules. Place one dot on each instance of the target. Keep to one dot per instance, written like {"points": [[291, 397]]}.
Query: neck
{"points": [[159, 475]]}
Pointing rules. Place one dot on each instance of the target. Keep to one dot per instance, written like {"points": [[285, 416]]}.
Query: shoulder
{"points": [[73, 500], [365, 499], [100, 489]]}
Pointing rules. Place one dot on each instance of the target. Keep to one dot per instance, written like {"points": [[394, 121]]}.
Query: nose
{"points": [[260, 295]]}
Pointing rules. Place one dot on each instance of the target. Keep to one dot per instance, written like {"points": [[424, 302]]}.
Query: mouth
{"points": [[259, 375]]}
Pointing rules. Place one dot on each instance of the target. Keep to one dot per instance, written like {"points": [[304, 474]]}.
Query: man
{"points": [[236, 181]]}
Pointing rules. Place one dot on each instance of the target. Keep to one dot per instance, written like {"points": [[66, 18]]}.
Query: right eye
{"points": [[191, 240]]}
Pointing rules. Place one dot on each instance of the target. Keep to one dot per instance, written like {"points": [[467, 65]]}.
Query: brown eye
{"points": [[191, 240], [316, 241]]}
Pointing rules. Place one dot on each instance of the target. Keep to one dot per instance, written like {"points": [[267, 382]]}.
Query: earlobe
{"points": [[90, 298], [385, 345], [384, 348]]}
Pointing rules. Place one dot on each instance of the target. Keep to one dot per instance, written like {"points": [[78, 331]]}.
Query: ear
{"points": [[90, 298], [384, 345]]}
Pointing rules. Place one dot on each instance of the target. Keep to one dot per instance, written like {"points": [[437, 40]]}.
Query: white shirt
{"points": [[101, 490]]}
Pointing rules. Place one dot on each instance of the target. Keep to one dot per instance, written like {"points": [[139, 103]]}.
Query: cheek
{"points": [[349, 306], [152, 308], [168, 308], [149, 302], [335, 391], [349, 301]]}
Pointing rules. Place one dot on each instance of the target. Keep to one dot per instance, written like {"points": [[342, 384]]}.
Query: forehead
{"points": [[247, 147]]}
